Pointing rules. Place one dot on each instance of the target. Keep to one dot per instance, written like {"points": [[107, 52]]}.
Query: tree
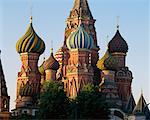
{"points": [[90, 104], [53, 101]]}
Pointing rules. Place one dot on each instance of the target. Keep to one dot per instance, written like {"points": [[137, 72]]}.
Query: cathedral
{"points": [[75, 64]]}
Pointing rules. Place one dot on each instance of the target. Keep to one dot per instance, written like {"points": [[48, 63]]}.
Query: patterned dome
{"points": [[107, 62], [111, 62], [41, 68], [30, 42], [59, 55], [26, 90], [100, 62], [117, 44], [79, 39], [51, 63]]}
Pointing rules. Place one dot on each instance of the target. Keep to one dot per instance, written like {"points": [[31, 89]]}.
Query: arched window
{"points": [[120, 73], [5, 103]]}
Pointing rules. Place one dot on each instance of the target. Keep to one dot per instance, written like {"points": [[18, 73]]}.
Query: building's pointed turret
{"points": [[30, 46], [81, 14], [4, 98], [118, 44], [82, 9], [80, 24], [51, 65], [79, 71], [141, 109], [130, 104]]}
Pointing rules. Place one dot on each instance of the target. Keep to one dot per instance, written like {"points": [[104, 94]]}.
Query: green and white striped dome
{"points": [[80, 39]]}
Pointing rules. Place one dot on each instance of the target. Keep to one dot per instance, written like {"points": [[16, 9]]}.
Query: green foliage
{"points": [[53, 102], [96, 78], [90, 104]]}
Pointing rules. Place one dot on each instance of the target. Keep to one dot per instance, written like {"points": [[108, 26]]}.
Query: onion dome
{"points": [[26, 90], [79, 39], [110, 63], [51, 63], [117, 44], [107, 62], [59, 56], [100, 63], [41, 68], [30, 42]]}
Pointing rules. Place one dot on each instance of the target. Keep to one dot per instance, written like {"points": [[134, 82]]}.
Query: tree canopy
{"points": [[54, 104], [53, 101], [90, 104]]}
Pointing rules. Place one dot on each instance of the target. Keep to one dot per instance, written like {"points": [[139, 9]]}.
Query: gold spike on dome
{"points": [[51, 50], [30, 19], [117, 22], [30, 42]]}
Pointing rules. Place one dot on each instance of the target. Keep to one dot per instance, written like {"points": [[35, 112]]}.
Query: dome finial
{"points": [[30, 19], [51, 50], [51, 46], [118, 22], [141, 91], [29, 42], [31, 7]]}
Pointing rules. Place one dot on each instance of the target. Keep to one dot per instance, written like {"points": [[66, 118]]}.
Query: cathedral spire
{"points": [[82, 9], [142, 107], [4, 98], [2, 81], [130, 104]]}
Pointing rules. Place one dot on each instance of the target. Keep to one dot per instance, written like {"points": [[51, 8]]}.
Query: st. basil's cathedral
{"points": [[76, 64]]}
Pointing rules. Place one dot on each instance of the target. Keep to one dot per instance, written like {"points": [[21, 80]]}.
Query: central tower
{"points": [[80, 49], [77, 67], [81, 14]]}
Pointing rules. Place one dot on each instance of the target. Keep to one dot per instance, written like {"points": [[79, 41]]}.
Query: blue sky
{"points": [[49, 18]]}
